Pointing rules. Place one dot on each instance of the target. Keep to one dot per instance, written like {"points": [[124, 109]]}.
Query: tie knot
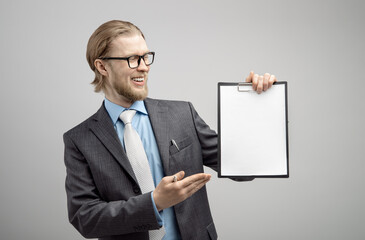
{"points": [[127, 116]]}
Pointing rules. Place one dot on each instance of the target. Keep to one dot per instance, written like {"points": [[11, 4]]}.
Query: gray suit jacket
{"points": [[103, 196]]}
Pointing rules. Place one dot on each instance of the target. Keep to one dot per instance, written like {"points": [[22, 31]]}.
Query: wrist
{"points": [[155, 201]]}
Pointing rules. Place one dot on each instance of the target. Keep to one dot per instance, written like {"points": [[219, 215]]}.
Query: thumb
{"points": [[180, 175], [250, 76]]}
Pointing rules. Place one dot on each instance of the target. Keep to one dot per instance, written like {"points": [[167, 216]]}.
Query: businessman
{"points": [[135, 167]]}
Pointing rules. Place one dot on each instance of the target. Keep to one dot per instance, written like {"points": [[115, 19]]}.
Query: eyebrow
{"points": [[137, 54]]}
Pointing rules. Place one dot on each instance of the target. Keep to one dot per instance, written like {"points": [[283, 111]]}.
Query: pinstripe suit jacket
{"points": [[103, 196]]}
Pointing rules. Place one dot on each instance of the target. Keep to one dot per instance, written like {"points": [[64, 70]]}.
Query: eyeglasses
{"points": [[135, 60]]}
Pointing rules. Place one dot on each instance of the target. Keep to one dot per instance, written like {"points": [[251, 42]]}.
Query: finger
{"points": [[180, 175], [193, 188], [266, 81], [174, 178], [193, 179], [250, 76], [272, 80], [260, 84], [255, 80]]}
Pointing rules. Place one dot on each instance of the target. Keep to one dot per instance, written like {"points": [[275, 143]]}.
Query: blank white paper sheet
{"points": [[253, 137]]}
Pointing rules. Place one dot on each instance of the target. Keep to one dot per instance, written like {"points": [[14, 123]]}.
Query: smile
{"points": [[139, 79]]}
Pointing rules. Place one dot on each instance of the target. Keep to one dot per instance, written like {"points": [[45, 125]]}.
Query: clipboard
{"points": [[252, 131]]}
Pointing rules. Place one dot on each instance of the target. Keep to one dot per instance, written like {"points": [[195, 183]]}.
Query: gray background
{"points": [[317, 46]]}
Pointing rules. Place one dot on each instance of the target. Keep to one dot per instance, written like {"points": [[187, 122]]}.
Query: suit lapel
{"points": [[159, 116], [103, 128]]}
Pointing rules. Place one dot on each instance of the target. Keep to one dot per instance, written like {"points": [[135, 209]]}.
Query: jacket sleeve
{"points": [[209, 144], [94, 217]]}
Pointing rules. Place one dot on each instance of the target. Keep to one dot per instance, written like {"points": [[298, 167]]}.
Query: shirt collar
{"points": [[115, 110]]}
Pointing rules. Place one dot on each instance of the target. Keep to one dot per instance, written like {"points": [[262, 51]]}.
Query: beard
{"points": [[128, 92]]}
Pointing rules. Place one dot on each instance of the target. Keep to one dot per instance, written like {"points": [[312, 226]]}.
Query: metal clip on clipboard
{"points": [[244, 90]]}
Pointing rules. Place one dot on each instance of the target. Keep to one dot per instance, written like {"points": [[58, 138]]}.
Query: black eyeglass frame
{"points": [[127, 59]]}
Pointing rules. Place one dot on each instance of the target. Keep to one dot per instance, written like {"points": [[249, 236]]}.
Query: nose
{"points": [[142, 66]]}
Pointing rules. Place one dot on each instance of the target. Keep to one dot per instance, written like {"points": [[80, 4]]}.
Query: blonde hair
{"points": [[99, 44]]}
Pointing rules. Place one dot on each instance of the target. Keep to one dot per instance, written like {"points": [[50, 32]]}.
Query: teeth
{"points": [[138, 79]]}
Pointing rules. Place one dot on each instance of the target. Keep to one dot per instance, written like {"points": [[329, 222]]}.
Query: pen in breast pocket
{"points": [[173, 142]]}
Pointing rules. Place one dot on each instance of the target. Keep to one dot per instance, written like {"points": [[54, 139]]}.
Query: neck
{"points": [[119, 100]]}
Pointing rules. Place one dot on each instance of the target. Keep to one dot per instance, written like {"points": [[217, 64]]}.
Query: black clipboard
{"points": [[252, 131]]}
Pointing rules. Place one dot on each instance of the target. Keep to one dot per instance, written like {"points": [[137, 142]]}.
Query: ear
{"points": [[100, 66]]}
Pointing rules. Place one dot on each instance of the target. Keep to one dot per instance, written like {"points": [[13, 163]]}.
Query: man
{"points": [[106, 193]]}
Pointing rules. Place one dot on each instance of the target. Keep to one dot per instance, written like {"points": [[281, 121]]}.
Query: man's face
{"points": [[126, 85]]}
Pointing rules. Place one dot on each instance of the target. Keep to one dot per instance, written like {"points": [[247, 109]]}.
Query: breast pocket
{"points": [[181, 156], [179, 145]]}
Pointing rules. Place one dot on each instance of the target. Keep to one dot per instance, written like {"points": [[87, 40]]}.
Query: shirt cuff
{"points": [[157, 213]]}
